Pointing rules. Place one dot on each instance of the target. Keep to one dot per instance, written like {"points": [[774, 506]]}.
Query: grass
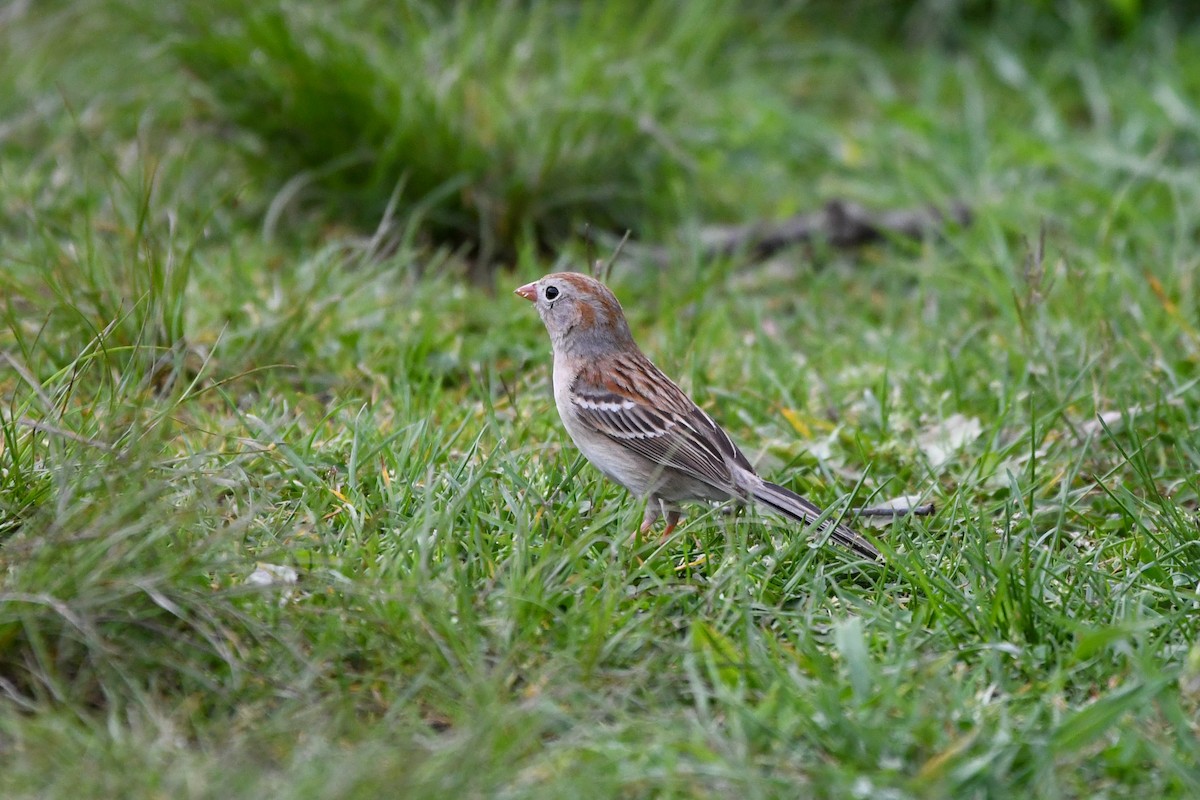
{"points": [[500, 124], [194, 412]]}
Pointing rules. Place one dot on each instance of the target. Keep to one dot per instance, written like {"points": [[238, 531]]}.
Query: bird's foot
{"points": [[672, 517]]}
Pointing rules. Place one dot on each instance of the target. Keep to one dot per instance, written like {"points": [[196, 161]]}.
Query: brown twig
{"points": [[841, 223], [903, 511]]}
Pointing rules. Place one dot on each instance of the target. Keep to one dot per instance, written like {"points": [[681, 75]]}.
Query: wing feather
{"points": [[672, 432]]}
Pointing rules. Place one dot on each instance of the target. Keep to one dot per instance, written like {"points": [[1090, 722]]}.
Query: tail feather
{"points": [[793, 506]]}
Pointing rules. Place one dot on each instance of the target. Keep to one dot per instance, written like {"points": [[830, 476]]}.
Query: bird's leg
{"points": [[653, 511], [655, 508], [672, 520]]}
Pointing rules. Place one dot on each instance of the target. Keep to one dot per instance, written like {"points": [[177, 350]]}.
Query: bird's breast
{"points": [[618, 463]]}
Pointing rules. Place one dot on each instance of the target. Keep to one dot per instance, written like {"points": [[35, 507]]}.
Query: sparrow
{"points": [[636, 426]]}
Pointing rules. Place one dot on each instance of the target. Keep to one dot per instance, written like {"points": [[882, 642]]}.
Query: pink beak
{"points": [[528, 291]]}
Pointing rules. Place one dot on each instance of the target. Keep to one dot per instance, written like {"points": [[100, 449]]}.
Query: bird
{"points": [[637, 427]]}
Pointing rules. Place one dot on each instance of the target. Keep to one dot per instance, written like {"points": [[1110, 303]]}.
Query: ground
{"points": [[285, 506]]}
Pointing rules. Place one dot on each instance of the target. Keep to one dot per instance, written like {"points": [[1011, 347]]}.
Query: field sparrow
{"points": [[639, 428]]}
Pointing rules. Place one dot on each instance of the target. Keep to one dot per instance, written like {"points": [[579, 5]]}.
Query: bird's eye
{"points": [[551, 292]]}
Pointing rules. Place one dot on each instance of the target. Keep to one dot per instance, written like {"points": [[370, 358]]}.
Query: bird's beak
{"points": [[528, 291]]}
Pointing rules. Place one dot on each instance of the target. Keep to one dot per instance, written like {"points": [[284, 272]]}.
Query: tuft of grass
{"points": [[496, 123]]}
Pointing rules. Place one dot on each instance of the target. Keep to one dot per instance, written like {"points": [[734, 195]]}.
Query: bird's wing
{"points": [[632, 402]]}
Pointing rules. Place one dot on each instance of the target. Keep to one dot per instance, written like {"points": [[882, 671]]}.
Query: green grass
{"points": [[186, 403], [499, 124]]}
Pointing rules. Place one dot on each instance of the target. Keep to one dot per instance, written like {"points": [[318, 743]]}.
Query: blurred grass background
{"points": [[284, 506]]}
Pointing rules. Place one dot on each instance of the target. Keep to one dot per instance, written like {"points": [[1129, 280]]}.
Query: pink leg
{"points": [[648, 520], [656, 508], [672, 521]]}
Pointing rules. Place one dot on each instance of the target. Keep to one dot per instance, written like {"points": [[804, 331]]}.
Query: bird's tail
{"points": [[793, 506]]}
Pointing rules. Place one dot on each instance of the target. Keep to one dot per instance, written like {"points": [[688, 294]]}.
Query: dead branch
{"points": [[885, 511], [841, 223]]}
